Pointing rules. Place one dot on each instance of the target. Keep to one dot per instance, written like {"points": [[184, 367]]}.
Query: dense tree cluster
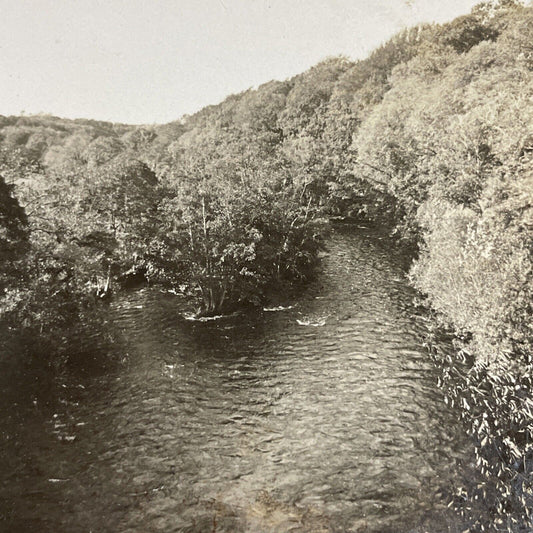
{"points": [[431, 136]]}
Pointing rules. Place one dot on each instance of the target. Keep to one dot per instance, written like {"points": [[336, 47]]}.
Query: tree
{"points": [[13, 236], [232, 238]]}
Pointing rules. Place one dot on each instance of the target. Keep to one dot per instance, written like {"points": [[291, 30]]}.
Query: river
{"points": [[320, 415]]}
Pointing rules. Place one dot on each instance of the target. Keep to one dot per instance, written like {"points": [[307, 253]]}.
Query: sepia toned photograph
{"points": [[266, 266]]}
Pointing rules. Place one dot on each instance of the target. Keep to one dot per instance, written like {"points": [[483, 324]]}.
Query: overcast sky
{"points": [[151, 61]]}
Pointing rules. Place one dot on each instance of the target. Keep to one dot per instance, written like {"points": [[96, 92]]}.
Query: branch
{"points": [[49, 232], [377, 169]]}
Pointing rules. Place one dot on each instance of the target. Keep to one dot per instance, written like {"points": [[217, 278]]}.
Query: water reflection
{"points": [[323, 416]]}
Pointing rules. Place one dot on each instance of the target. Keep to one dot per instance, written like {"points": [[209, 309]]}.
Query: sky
{"points": [[152, 61]]}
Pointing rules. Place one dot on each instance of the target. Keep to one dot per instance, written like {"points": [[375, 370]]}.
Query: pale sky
{"points": [[152, 61]]}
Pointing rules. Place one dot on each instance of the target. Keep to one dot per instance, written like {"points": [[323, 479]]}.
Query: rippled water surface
{"points": [[324, 416]]}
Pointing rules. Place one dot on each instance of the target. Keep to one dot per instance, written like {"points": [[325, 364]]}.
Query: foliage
{"points": [[81, 230], [231, 238], [13, 236], [496, 406]]}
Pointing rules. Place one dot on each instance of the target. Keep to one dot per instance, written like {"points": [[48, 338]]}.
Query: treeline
{"points": [[430, 136]]}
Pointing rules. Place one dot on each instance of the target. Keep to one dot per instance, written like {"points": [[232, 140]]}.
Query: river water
{"points": [[323, 416]]}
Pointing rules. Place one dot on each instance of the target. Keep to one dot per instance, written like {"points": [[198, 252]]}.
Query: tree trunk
{"points": [[213, 298]]}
